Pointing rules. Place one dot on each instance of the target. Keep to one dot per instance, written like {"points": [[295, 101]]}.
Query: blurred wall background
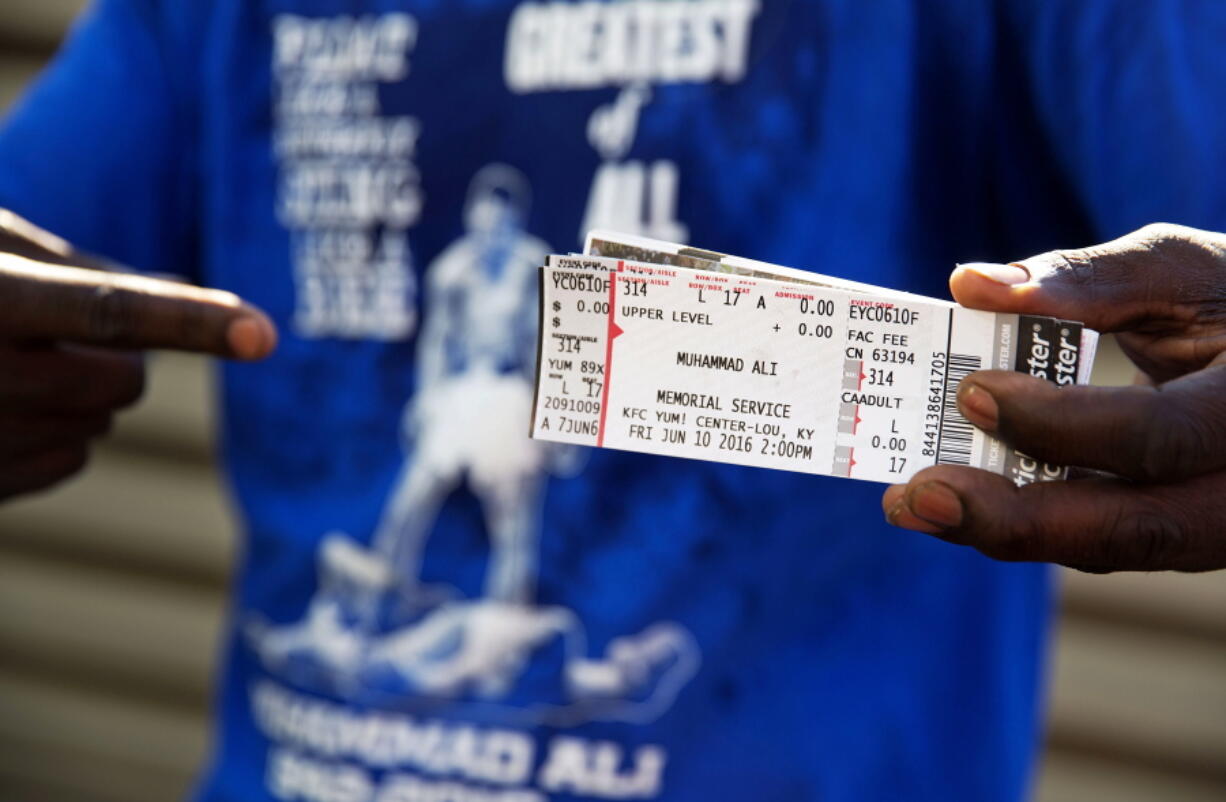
{"points": [[112, 592]]}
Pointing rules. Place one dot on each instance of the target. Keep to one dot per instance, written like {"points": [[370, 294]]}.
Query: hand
{"points": [[1161, 503], [67, 348]]}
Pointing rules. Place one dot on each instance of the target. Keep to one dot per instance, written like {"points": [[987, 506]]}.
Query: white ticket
{"points": [[811, 377]]}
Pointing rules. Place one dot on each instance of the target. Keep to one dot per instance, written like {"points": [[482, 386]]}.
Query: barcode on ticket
{"points": [[954, 444], [682, 355]]}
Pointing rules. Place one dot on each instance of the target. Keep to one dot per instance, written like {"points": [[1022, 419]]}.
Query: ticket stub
{"points": [[745, 363]]}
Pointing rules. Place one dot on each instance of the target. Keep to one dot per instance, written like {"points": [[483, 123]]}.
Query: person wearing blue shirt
{"points": [[432, 606]]}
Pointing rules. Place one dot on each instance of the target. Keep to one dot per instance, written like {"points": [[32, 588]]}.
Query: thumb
{"points": [[1153, 273]]}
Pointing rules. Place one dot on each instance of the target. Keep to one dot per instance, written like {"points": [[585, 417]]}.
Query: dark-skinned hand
{"points": [[1155, 495], [70, 342]]}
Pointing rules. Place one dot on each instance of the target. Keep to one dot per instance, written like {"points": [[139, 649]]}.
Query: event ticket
{"points": [[655, 348]]}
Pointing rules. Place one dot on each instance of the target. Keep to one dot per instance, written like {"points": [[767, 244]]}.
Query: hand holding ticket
{"points": [[652, 347], [1161, 443]]}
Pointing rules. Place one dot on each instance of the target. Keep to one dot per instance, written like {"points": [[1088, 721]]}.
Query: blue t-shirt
{"points": [[430, 605]]}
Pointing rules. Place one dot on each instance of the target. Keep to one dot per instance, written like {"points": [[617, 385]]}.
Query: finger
{"points": [[127, 311], [26, 435], [1152, 434], [1160, 272], [42, 470], [1094, 525], [69, 379], [20, 236]]}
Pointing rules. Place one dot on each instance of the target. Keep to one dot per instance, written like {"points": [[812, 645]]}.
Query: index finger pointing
{"points": [[51, 302]]}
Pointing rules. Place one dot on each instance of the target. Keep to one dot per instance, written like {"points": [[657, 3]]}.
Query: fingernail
{"points": [[935, 503], [894, 502], [1008, 275], [898, 514], [979, 407], [893, 494], [251, 337]]}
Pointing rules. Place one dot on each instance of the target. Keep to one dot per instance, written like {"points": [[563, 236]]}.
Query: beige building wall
{"points": [[112, 591]]}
